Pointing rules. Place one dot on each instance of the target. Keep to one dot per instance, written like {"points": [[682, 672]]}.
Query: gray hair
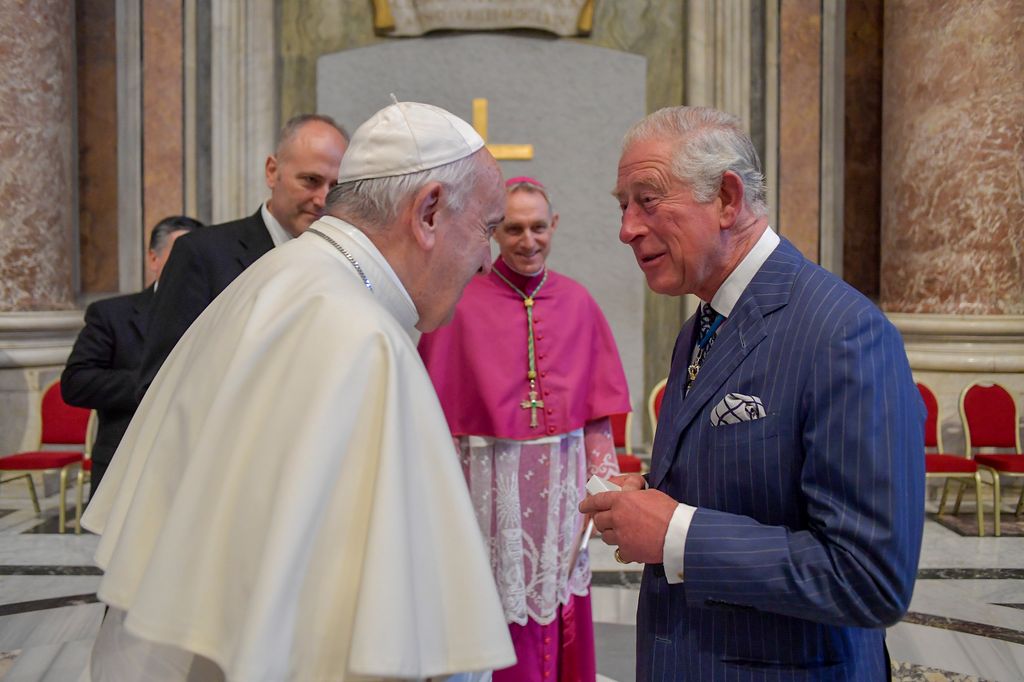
{"points": [[709, 143], [162, 231], [377, 200]]}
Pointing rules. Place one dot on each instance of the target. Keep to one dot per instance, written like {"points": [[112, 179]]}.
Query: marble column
{"points": [[952, 190], [244, 87], [38, 258], [37, 157]]}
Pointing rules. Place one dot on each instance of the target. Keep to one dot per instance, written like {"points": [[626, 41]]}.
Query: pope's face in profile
{"points": [[463, 247], [525, 235]]}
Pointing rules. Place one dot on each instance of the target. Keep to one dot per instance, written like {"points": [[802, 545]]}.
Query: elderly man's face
{"points": [[677, 241], [463, 247], [525, 235], [299, 176]]}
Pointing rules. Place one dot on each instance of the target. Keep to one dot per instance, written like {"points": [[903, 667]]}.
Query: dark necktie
{"points": [[707, 332]]}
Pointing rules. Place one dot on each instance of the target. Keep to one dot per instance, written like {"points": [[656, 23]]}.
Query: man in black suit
{"points": [[100, 373], [299, 173]]}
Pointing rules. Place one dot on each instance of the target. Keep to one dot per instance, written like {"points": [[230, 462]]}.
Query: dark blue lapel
{"points": [[745, 328]]}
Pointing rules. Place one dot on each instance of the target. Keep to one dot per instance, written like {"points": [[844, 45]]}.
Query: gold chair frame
{"points": [[962, 478], [996, 491], [62, 471], [650, 405]]}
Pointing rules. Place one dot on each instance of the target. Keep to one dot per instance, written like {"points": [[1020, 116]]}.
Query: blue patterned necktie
{"points": [[707, 326]]}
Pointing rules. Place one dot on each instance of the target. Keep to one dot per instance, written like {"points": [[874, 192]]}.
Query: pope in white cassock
{"points": [[285, 504]]}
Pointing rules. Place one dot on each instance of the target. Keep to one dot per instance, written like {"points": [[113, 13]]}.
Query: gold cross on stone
{"points": [[509, 152], [532, 404]]}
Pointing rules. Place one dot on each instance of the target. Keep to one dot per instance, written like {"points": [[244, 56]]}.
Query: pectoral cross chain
{"points": [[532, 404]]}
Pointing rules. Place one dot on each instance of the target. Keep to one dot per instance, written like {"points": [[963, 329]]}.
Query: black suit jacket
{"points": [[101, 372], [201, 265]]}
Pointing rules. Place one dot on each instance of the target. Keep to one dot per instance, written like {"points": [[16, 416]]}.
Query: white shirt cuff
{"points": [[675, 543]]}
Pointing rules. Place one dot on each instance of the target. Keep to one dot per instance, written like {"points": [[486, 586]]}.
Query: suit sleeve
{"points": [[181, 296], [90, 379], [854, 560]]}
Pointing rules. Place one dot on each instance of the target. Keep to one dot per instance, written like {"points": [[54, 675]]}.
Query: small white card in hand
{"points": [[601, 485]]}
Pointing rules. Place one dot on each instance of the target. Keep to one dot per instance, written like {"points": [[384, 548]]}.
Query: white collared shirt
{"points": [[723, 302], [277, 233]]}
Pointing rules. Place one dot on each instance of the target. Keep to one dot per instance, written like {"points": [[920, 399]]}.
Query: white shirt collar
{"points": [[387, 288], [725, 298], [277, 233]]}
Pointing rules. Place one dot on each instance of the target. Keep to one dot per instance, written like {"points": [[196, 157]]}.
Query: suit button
{"points": [[551, 429]]}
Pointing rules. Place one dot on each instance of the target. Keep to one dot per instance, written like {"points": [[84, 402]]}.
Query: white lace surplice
{"points": [[526, 496]]}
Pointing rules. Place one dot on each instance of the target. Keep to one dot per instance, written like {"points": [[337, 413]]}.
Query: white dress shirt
{"points": [[277, 233]]}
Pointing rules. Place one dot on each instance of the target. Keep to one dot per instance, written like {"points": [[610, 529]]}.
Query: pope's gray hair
{"points": [[707, 143], [377, 200]]}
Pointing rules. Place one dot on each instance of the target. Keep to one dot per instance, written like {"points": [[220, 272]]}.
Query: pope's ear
{"points": [[426, 204]]}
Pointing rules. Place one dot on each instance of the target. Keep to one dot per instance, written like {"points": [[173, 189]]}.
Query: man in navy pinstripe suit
{"points": [[781, 520]]}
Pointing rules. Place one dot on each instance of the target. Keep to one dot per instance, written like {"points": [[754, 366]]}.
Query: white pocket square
{"points": [[735, 408]]}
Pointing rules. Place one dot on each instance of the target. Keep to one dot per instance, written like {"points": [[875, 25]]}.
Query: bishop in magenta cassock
{"points": [[528, 374]]}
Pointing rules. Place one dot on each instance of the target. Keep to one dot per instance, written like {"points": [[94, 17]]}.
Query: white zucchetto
{"points": [[406, 137]]}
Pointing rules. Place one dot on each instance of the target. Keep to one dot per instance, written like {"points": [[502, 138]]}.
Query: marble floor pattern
{"points": [[966, 620]]}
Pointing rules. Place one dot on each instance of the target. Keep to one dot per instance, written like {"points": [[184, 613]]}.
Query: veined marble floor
{"points": [[966, 621]]}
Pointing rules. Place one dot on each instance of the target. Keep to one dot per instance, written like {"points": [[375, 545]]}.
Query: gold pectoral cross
{"points": [[532, 404], [512, 152]]}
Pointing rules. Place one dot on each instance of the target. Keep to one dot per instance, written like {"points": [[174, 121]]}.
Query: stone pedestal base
{"points": [[947, 352], [33, 350]]}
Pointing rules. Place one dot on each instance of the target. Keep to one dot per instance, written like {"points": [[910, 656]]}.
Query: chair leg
{"points": [[959, 497], [998, 499], [945, 493], [980, 505], [32, 492], [1020, 503], [63, 512], [78, 501]]}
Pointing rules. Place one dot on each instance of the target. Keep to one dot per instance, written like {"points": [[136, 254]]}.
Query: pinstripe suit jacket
{"points": [[806, 538]]}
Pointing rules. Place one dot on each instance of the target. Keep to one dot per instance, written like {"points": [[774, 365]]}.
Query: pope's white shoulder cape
{"points": [[287, 501]]}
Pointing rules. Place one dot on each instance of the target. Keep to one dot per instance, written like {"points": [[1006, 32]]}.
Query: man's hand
{"points": [[635, 520], [629, 482]]}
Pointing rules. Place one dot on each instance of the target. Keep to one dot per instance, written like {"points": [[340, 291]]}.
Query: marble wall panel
{"points": [[37, 158], [862, 149], [953, 140], [97, 145], [800, 124], [162, 108]]}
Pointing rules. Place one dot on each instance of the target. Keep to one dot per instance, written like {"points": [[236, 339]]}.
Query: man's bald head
{"points": [[303, 168]]}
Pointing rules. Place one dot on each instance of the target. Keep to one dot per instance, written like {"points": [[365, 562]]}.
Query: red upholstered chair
{"points": [[654, 404], [622, 425], [939, 464], [990, 419], [61, 425]]}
